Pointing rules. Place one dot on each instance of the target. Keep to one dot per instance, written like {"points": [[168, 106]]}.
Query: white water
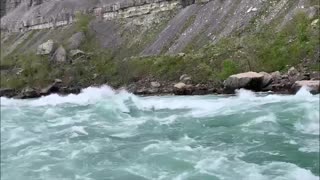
{"points": [[104, 134]]}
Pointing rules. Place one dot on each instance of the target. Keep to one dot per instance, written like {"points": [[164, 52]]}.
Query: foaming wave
{"points": [[89, 95], [304, 92], [245, 94], [310, 123], [221, 166]]}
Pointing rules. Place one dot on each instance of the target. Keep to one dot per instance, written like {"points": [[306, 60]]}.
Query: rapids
{"points": [[102, 134]]}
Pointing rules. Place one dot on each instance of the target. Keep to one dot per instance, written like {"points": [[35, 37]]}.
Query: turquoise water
{"points": [[101, 134]]}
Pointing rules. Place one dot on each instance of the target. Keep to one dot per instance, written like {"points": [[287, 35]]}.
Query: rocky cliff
{"points": [[197, 21]]}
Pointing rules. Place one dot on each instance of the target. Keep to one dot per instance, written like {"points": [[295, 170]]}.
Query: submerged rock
{"points": [[249, 80]]}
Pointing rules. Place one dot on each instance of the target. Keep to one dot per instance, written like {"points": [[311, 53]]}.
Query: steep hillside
{"points": [[125, 40]]}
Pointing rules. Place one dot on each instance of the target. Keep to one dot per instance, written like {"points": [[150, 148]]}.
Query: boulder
{"points": [[179, 85], [76, 40], [183, 89], [52, 88], [315, 75], [28, 93], [60, 55], [267, 79], [276, 76], [201, 89], [155, 84], [293, 71], [185, 79], [312, 85], [7, 92], [46, 48], [249, 80]]}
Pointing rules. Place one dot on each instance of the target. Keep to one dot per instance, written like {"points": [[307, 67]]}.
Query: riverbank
{"points": [[275, 82]]}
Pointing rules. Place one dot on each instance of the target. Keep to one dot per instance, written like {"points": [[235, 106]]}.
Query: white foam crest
{"points": [[183, 144], [261, 119], [310, 146], [79, 130], [310, 123], [89, 95], [230, 168], [303, 92], [245, 94]]}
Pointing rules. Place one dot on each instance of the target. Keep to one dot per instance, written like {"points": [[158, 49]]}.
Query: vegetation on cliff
{"points": [[267, 49]]}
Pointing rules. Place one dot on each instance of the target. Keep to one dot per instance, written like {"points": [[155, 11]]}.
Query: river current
{"points": [[102, 134]]}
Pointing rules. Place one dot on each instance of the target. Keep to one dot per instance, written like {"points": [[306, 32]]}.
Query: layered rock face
{"points": [[183, 22]]}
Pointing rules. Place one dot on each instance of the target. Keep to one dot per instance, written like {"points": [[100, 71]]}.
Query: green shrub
{"points": [[82, 22], [228, 68]]}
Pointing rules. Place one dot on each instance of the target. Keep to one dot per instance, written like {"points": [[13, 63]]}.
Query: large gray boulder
{"points": [[60, 55], [183, 89], [312, 85], [249, 80], [46, 48], [267, 79], [76, 40]]}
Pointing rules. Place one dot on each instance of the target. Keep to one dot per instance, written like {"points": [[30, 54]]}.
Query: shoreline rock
{"points": [[288, 83]]}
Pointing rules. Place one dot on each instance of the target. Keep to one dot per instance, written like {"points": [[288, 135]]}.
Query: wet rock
{"points": [[52, 88], [7, 92], [69, 90], [60, 55], [76, 40], [183, 89], [267, 79], [312, 85], [46, 48], [28, 93], [201, 89], [249, 80], [146, 91]]}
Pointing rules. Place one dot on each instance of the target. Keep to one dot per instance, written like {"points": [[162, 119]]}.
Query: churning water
{"points": [[101, 134]]}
